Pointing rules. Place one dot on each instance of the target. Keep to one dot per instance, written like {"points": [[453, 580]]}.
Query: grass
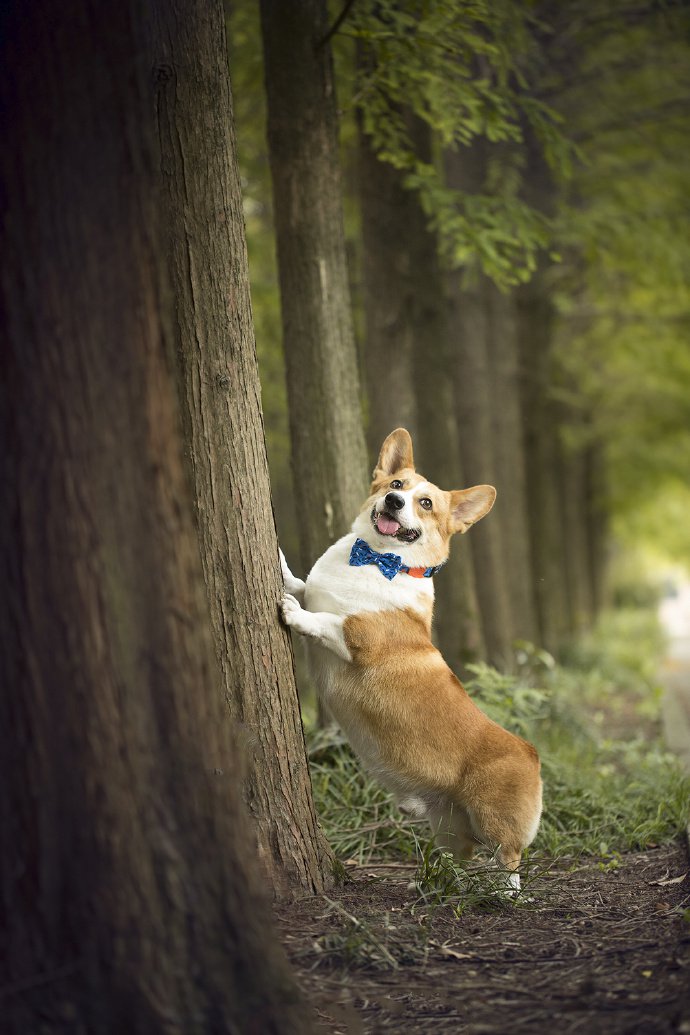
{"points": [[610, 787]]}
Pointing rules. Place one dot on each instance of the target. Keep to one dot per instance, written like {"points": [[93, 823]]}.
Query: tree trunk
{"points": [[388, 290], [456, 613], [575, 502], [221, 403], [328, 452], [475, 419], [543, 461], [127, 883], [509, 458], [474, 404], [536, 319], [597, 524]]}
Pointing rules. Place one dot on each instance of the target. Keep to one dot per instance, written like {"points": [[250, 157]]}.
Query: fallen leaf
{"points": [[664, 882], [447, 951]]}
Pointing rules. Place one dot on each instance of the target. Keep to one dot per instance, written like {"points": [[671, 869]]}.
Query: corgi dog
{"points": [[366, 610]]}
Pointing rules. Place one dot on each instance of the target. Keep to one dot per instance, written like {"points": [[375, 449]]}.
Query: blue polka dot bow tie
{"points": [[389, 564]]}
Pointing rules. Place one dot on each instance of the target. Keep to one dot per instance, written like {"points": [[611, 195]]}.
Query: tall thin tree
{"points": [[328, 451], [407, 357], [471, 373]]}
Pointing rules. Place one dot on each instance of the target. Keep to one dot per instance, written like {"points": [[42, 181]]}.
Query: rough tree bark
{"points": [[328, 452], [221, 404], [127, 884]]}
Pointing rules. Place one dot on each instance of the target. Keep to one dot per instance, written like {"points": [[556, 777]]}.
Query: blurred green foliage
{"points": [[605, 89]]}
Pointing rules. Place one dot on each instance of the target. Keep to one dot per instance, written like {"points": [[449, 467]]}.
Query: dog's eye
{"points": [[426, 502], [397, 484]]}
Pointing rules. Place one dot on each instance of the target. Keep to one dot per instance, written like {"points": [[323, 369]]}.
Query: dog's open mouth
{"points": [[386, 524]]}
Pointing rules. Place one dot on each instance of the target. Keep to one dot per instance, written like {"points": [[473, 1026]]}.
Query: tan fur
{"points": [[429, 731]]}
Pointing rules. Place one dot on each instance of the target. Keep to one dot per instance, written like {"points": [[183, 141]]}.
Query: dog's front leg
{"points": [[293, 585], [325, 628]]}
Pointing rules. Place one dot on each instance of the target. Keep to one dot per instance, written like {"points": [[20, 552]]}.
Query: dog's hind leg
{"points": [[510, 860], [452, 831]]}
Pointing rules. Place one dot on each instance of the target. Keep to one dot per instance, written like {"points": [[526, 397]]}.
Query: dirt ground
{"points": [[596, 951]]}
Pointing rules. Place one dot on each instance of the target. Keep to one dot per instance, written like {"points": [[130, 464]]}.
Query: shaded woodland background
{"points": [[514, 184]]}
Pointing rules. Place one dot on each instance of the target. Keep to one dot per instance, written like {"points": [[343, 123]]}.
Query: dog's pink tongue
{"points": [[386, 525]]}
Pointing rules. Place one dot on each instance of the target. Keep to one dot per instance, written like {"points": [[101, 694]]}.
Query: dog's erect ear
{"points": [[396, 453], [469, 505]]}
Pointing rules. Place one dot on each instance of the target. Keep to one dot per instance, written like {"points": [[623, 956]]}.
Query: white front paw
{"points": [[290, 609], [290, 583]]}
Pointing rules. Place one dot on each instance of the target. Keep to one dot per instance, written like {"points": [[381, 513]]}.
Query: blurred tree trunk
{"points": [[597, 523], [126, 876], [406, 360], [475, 419], [328, 451], [543, 458], [543, 448], [388, 289], [456, 614], [509, 457], [574, 502], [221, 405]]}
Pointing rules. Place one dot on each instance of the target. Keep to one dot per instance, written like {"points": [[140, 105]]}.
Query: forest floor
{"points": [[590, 947], [597, 950]]}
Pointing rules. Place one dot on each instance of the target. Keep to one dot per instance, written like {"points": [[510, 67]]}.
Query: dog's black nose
{"points": [[394, 501]]}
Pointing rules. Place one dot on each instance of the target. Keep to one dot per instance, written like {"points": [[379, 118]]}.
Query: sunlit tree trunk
{"points": [[221, 404], [328, 452], [127, 879]]}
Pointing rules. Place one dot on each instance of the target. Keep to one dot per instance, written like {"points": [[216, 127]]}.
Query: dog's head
{"points": [[408, 515]]}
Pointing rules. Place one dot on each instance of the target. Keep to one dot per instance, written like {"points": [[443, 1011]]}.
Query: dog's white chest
{"points": [[335, 586]]}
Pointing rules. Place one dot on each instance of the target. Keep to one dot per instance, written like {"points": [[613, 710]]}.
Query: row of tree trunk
{"points": [[467, 368], [473, 374]]}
